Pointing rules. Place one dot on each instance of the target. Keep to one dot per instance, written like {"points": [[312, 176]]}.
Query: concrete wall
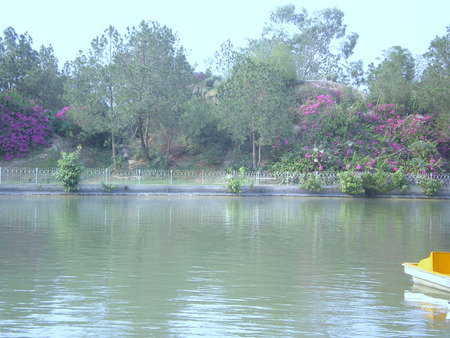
{"points": [[193, 190]]}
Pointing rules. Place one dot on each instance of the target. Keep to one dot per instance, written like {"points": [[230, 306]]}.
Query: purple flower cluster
{"points": [[22, 127]]}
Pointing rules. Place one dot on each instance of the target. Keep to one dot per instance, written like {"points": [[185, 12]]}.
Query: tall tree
{"points": [[434, 87], [319, 42], [45, 83], [226, 58], [92, 88], [155, 80], [104, 53], [17, 59], [254, 104], [392, 81], [34, 75], [276, 53], [179, 87]]}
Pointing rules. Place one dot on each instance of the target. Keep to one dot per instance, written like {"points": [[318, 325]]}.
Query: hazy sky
{"points": [[203, 25]]}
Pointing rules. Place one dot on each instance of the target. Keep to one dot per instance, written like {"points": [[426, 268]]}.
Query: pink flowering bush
{"points": [[23, 126], [333, 137]]}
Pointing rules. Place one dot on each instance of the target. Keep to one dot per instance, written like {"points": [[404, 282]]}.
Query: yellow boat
{"points": [[433, 271]]}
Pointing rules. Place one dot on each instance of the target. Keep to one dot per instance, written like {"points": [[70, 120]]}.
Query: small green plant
{"points": [[350, 183], [69, 170], [400, 181], [312, 182], [377, 183], [107, 187], [431, 186], [235, 183]]}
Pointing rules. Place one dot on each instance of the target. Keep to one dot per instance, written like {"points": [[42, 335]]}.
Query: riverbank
{"points": [[196, 190]]}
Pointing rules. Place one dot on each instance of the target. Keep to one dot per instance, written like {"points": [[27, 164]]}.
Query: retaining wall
{"points": [[196, 190]]}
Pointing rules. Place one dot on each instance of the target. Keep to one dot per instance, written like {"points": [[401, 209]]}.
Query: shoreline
{"points": [[199, 190]]}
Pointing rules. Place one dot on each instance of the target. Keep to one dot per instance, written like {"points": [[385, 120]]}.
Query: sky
{"points": [[203, 25]]}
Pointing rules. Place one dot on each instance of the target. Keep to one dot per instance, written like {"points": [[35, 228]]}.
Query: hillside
{"points": [[181, 157]]}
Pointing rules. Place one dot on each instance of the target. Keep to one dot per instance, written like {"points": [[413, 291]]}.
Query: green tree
{"points": [[155, 81], [433, 93], [392, 81], [319, 42], [254, 104], [17, 59], [226, 58], [178, 83], [89, 106], [276, 53], [92, 90], [34, 75], [45, 83], [202, 132]]}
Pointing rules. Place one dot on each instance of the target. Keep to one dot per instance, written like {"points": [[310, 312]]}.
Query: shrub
{"points": [[235, 183], [350, 183], [107, 187], [430, 185], [400, 181], [377, 183], [312, 182], [23, 125], [69, 170]]}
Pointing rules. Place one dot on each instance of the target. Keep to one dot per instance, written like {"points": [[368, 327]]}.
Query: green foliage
{"points": [[107, 187], [312, 182], [69, 170], [433, 90], [377, 183], [254, 104], [235, 183], [392, 80], [350, 183], [202, 132], [431, 186], [400, 181], [319, 44], [34, 75], [277, 54]]}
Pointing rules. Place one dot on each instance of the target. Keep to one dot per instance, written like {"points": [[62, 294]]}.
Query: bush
{"points": [[107, 187], [431, 186], [350, 183], [23, 125], [377, 183], [400, 181], [235, 183], [312, 182], [69, 170]]}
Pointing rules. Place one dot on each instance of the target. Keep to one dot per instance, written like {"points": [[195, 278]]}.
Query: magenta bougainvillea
{"points": [[23, 126], [333, 137]]}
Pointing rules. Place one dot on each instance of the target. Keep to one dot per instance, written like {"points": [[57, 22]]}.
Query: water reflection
{"points": [[434, 307], [117, 266]]}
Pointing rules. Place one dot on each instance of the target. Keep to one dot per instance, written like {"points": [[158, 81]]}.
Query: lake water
{"points": [[117, 266]]}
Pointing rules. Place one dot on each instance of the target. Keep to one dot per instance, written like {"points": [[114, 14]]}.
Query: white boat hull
{"points": [[433, 280]]}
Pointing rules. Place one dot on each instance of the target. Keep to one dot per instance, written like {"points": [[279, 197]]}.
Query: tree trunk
{"points": [[113, 146], [169, 147], [142, 136], [254, 150], [259, 156], [111, 106]]}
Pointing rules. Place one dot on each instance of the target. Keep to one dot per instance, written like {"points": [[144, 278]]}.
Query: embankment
{"points": [[195, 190]]}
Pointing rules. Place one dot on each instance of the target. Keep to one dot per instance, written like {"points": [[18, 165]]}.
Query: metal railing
{"points": [[39, 176]]}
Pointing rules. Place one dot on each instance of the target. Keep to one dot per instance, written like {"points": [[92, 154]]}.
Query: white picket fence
{"points": [[41, 176]]}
